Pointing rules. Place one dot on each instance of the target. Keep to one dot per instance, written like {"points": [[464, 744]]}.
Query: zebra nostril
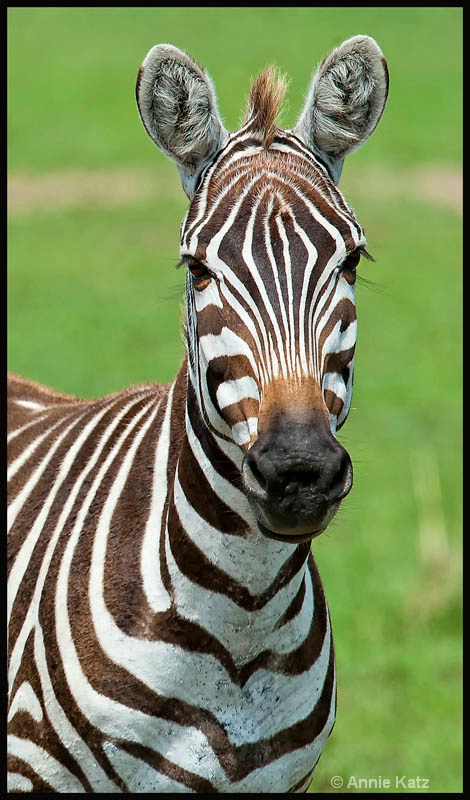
{"points": [[342, 481], [258, 475], [253, 478]]}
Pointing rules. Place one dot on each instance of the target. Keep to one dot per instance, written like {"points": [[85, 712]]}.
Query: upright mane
{"points": [[266, 95]]}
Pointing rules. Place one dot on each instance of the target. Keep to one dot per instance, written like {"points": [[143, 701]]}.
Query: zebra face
{"points": [[271, 249]]}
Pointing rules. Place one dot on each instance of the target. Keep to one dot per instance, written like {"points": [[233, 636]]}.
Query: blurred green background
{"points": [[95, 304]]}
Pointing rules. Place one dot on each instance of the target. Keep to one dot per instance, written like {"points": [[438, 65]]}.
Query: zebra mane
{"points": [[266, 95]]}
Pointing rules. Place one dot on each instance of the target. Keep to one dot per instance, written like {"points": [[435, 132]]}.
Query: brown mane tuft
{"points": [[267, 92]]}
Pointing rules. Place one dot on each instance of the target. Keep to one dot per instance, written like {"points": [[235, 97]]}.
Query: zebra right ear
{"points": [[346, 99], [178, 108]]}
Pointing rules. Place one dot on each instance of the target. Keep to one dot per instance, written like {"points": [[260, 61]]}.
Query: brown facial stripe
{"points": [[296, 170], [344, 312], [212, 320], [227, 368], [340, 363], [333, 403], [224, 466], [239, 412], [281, 196], [296, 398]]}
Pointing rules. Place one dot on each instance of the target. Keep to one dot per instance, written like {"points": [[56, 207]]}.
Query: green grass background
{"points": [[94, 304]]}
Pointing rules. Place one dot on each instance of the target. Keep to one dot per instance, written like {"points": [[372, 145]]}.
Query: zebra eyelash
{"points": [[362, 250], [351, 261], [182, 262], [194, 266]]}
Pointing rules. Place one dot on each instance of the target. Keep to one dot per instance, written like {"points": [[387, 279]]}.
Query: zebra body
{"points": [[168, 629]]}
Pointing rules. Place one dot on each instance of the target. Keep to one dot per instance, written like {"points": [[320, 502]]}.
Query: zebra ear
{"points": [[345, 102], [178, 108]]}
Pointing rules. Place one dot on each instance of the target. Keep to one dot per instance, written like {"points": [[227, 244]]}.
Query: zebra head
{"points": [[271, 249]]}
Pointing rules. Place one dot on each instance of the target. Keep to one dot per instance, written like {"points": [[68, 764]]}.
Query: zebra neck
{"points": [[225, 575]]}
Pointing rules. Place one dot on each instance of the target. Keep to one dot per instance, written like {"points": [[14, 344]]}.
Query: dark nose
{"points": [[328, 474], [296, 476]]}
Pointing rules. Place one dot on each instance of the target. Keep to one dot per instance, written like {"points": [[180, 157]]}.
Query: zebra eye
{"points": [[351, 261], [197, 268], [348, 267], [200, 274]]}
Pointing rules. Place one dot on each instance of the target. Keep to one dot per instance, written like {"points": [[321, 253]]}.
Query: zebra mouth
{"points": [[295, 515], [292, 538]]}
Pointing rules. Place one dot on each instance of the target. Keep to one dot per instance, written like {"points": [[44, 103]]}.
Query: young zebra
{"points": [[168, 629]]}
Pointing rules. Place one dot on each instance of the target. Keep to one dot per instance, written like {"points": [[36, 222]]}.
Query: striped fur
{"points": [[164, 634]]}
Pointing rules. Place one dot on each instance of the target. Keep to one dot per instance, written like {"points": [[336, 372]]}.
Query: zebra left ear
{"points": [[346, 99], [178, 108]]}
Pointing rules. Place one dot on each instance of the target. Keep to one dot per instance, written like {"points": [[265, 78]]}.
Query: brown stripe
{"points": [[36, 500], [221, 464], [114, 681], [344, 312], [203, 499], [78, 615], [123, 591], [294, 607], [167, 767], [340, 362], [240, 411], [334, 403], [23, 440], [41, 733], [302, 733], [15, 764], [304, 656], [195, 565]]}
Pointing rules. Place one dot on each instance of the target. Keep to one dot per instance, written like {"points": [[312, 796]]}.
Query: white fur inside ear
{"points": [[178, 108], [346, 98]]}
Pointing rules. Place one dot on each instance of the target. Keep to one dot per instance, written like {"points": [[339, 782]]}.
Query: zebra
{"points": [[168, 629]]}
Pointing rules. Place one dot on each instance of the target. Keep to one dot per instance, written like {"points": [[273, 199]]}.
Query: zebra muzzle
{"points": [[295, 476]]}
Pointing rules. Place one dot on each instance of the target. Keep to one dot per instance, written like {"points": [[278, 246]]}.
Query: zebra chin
{"points": [[295, 529]]}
